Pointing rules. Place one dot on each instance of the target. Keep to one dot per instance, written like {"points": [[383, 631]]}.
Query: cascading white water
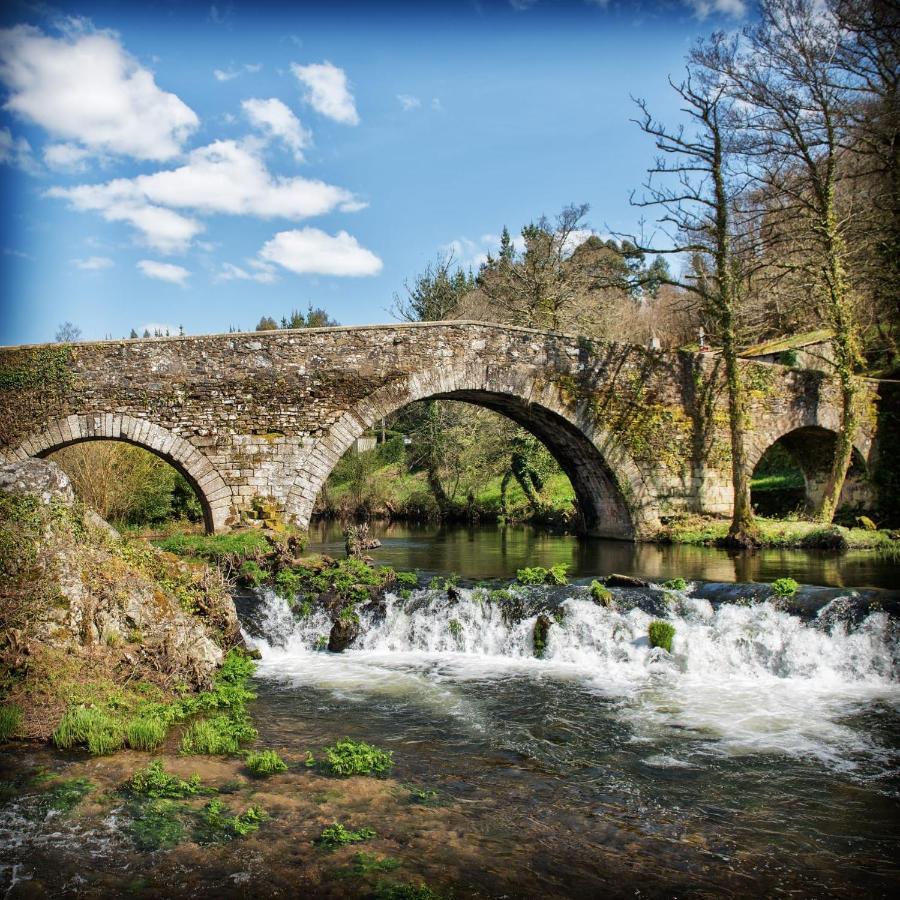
{"points": [[740, 678]]}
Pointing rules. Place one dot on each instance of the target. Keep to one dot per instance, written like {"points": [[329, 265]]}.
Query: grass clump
{"points": [[661, 634], [393, 890], [540, 575], [218, 825], [101, 732], [155, 782], [601, 594], [146, 732], [265, 762], [219, 735], [10, 719], [675, 584], [336, 835], [349, 757], [784, 587]]}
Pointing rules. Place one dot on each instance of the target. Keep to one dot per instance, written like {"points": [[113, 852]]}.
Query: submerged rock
{"points": [[615, 580]]}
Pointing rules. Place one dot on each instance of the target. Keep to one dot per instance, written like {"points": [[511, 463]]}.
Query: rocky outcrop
{"points": [[73, 591]]}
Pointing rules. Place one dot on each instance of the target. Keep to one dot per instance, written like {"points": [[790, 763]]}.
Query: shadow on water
{"points": [[496, 551]]}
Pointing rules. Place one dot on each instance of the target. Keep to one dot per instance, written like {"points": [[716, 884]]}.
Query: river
{"points": [[760, 757]]}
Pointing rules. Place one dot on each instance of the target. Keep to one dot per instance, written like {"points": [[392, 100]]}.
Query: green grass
{"points": [[392, 890], [145, 732], [661, 634], [216, 547], [675, 584], [539, 575], [64, 795], [366, 863], [101, 732], [218, 825], [10, 719], [157, 824], [218, 735], [155, 782], [336, 835], [348, 757], [265, 762], [601, 594], [780, 533]]}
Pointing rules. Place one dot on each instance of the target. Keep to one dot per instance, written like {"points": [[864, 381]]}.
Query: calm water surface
{"points": [[494, 551]]}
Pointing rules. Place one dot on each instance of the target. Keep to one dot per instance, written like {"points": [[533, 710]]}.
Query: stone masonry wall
{"points": [[641, 433]]}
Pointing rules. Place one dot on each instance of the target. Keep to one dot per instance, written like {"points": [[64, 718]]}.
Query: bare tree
{"points": [[797, 98], [67, 333], [695, 186]]}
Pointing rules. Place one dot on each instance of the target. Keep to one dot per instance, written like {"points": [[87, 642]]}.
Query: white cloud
{"points": [[436, 104], [408, 102], [163, 272], [229, 74], [224, 177], [277, 121], [84, 87], [704, 8], [16, 151], [92, 263], [264, 274], [309, 251], [328, 91], [67, 157]]}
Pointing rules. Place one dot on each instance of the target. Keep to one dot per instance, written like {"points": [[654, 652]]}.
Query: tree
{"points": [[132, 334], [789, 78], [266, 323], [435, 293], [67, 333], [695, 185]]}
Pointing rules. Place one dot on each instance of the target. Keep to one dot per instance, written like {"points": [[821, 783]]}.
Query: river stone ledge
{"points": [[78, 603]]}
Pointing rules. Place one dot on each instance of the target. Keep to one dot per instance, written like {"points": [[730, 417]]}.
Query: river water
{"points": [[759, 757]]}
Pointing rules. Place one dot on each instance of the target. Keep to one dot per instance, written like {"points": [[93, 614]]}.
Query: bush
{"points": [[349, 757], [784, 587], [265, 762], [601, 594], [10, 718], [336, 835], [661, 634]]}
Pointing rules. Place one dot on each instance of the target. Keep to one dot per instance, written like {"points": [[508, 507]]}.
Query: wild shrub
{"points": [[10, 719], [265, 762], [784, 587], [336, 835], [661, 634], [348, 757]]}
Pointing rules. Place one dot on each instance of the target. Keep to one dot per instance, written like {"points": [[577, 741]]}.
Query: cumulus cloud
{"points": [[223, 177], [309, 251], [230, 74], [704, 8], [408, 102], [276, 121], [66, 157], [163, 272], [92, 263], [264, 274], [328, 91], [84, 88]]}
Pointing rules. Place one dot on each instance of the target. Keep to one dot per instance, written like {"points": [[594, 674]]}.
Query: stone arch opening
{"points": [[609, 489], [212, 493], [792, 472]]}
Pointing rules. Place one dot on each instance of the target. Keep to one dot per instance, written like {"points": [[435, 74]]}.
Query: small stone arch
{"points": [[611, 492], [212, 491], [811, 446]]}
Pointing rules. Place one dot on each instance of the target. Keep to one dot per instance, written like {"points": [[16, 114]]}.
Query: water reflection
{"points": [[496, 551]]}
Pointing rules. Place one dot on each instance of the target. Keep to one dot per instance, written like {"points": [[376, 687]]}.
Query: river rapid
{"points": [[760, 756]]}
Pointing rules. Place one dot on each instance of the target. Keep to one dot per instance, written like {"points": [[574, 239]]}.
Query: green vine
{"points": [[45, 367]]}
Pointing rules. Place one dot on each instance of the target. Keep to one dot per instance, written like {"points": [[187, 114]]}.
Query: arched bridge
{"points": [[641, 433]]}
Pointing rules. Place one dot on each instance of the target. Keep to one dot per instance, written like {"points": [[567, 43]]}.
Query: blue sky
{"points": [[203, 165]]}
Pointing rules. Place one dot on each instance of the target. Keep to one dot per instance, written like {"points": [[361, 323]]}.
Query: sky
{"points": [[183, 165]]}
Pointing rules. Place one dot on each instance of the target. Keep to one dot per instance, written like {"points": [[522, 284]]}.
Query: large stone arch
{"points": [[212, 491], [611, 491]]}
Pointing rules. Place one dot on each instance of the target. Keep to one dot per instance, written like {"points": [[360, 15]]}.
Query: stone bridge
{"points": [[641, 433]]}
